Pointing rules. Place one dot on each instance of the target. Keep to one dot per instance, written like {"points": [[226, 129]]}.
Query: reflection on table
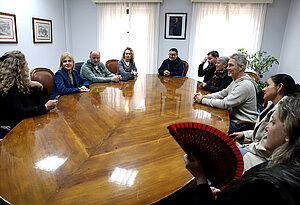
{"points": [[107, 146]]}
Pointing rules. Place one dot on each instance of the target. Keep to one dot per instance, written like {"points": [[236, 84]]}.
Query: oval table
{"points": [[106, 146]]}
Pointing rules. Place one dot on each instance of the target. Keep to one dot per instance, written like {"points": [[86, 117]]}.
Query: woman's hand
{"points": [[83, 89], [135, 73], [198, 97], [195, 167], [51, 104], [237, 136], [33, 84]]}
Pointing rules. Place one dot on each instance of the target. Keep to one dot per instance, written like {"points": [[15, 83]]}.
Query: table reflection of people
{"points": [[175, 26], [127, 88], [170, 99]]}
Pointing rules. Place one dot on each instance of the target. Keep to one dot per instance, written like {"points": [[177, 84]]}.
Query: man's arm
{"points": [[162, 67], [201, 72], [236, 97]]}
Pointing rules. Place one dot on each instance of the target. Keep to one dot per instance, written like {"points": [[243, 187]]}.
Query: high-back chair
{"points": [[44, 76], [186, 67], [78, 66], [112, 65]]}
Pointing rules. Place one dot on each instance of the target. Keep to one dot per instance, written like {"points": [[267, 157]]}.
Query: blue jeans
{"points": [[243, 151], [233, 128]]}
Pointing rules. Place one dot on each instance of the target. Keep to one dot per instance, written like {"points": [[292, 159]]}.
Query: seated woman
{"points": [[67, 80], [126, 66], [253, 141], [220, 79], [19, 97], [273, 182]]}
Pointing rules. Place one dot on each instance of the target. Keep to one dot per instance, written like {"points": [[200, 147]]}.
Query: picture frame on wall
{"points": [[42, 30], [175, 26], [8, 28]]}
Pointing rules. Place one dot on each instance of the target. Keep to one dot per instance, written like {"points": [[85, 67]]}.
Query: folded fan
{"points": [[221, 158]]}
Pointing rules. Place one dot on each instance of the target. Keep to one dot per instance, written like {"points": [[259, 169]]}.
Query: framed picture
{"points": [[175, 26], [8, 28], [42, 30]]}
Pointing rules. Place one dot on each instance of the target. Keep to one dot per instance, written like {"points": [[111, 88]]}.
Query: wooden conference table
{"points": [[106, 146]]}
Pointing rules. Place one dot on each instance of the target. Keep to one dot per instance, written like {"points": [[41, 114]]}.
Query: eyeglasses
{"points": [[171, 54]]}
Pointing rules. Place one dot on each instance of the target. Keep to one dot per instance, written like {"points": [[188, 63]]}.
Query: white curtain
{"points": [[131, 24], [224, 27]]}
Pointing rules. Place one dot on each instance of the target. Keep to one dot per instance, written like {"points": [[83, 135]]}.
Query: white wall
{"points": [[275, 25], [291, 43], [36, 54], [83, 28], [174, 6]]}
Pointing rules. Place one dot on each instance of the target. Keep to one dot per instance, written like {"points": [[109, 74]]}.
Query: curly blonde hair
{"points": [[13, 72], [131, 52], [62, 58]]}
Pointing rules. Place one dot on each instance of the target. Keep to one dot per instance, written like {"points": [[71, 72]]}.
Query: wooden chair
{"points": [[186, 65], [112, 65], [44, 76], [253, 75]]}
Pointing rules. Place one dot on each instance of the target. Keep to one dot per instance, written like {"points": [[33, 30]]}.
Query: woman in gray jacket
{"points": [[253, 141], [126, 65]]}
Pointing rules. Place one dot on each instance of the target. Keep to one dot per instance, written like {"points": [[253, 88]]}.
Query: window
{"points": [[224, 27], [130, 24]]}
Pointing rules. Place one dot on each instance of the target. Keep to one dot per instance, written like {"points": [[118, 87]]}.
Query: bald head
{"points": [[95, 57]]}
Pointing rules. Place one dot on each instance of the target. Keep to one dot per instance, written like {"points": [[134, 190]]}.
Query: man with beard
{"points": [[239, 97], [172, 66], [209, 71]]}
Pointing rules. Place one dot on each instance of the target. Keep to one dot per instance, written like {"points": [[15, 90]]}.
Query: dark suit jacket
{"points": [[62, 84], [175, 67], [15, 106]]}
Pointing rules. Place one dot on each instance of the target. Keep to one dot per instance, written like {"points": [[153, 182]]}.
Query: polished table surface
{"points": [[106, 146]]}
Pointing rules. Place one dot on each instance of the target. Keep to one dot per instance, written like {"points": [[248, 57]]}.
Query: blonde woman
{"points": [[66, 79], [126, 65], [19, 97]]}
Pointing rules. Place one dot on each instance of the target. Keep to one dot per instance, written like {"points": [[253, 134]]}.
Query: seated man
{"points": [[96, 72], [239, 97], [220, 79], [209, 71], [172, 66]]}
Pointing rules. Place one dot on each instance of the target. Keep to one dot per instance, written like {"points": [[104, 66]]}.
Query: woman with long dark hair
{"points": [[252, 141]]}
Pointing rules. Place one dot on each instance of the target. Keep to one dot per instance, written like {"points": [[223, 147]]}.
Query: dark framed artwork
{"points": [[175, 26], [42, 30], [8, 28]]}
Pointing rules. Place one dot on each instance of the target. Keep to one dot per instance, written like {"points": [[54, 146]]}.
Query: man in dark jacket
{"points": [[172, 66], [209, 71]]}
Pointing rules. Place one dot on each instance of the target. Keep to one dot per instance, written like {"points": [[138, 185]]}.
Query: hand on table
{"points": [[51, 104], [166, 73], [83, 89], [198, 97]]}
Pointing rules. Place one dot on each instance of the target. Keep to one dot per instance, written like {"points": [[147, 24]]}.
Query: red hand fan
{"points": [[221, 158]]}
